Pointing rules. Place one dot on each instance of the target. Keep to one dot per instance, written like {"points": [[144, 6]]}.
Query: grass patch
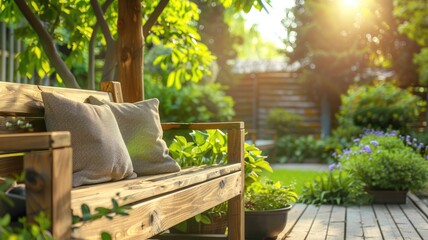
{"points": [[298, 177]]}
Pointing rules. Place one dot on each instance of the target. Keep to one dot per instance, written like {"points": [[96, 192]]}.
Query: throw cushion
{"points": [[140, 126], [99, 153]]}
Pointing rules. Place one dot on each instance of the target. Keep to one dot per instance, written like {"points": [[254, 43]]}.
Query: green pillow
{"points": [[140, 126], [99, 153]]}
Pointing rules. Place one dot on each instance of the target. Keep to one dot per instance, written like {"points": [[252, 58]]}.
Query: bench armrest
{"points": [[34, 141], [203, 126]]}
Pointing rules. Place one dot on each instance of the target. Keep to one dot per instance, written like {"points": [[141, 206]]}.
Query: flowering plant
{"points": [[387, 161]]}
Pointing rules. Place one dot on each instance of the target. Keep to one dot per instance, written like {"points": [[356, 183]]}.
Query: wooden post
{"points": [[236, 205], [48, 182], [131, 50]]}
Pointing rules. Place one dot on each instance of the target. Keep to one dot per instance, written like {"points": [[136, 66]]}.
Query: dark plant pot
{"points": [[17, 209], [218, 225], [388, 196], [265, 224]]}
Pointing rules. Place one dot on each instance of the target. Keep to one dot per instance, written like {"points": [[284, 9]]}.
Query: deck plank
{"points": [[387, 225], [303, 226], [293, 217], [417, 219], [321, 222], [378, 221], [336, 228], [369, 223], [353, 223], [403, 223]]}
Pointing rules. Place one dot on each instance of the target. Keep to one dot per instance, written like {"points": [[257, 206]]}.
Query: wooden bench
{"points": [[157, 202]]}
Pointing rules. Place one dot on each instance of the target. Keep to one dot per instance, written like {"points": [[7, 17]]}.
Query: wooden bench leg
{"points": [[236, 205], [48, 183], [236, 218]]}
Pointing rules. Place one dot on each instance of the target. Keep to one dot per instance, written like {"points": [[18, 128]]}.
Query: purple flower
{"points": [[356, 140], [374, 143], [346, 152], [331, 167], [366, 149]]}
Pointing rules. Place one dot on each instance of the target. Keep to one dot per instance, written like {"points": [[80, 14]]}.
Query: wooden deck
{"points": [[380, 221]]}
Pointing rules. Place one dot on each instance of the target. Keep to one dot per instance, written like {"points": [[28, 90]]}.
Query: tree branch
{"points": [[154, 17], [48, 45], [110, 60], [91, 62], [99, 14]]}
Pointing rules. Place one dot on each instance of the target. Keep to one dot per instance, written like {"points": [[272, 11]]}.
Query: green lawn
{"points": [[296, 176]]}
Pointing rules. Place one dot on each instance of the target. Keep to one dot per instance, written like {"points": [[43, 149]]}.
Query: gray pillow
{"points": [[99, 153], [140, 126]]}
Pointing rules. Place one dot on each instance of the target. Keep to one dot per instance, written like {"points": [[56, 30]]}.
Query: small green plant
{"points": [[387, 161], [269, 195], [210, 147], [283, 121], [334, 187]]}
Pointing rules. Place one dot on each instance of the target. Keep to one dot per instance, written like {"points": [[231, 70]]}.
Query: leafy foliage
{"points": [[37, 230], [210, 147], [412, 14], [71, 23], [193, 103], [268, 195], [381, 106], [291, 148], [383, 161], [334, 187]]}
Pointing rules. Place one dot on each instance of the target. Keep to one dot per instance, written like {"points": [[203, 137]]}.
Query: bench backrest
{"points": [[22, 110], [19, 101]]}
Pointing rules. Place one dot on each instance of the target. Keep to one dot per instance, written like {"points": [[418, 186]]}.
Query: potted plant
{"points": [[210, 147], [389, 165], [267, 204]]}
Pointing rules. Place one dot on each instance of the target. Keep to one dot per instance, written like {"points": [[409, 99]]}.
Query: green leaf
{"points": [[86, 212], [199, 137], [106, 236]]}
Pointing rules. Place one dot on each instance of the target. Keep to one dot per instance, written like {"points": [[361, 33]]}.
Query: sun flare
{"points": [[350, 3]]}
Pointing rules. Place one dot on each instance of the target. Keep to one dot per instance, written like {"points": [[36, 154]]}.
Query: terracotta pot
{"points": [[265, 224], [388, 196]]}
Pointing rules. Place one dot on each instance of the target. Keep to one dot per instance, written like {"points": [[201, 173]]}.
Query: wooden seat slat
{"points": [[141, 188], [151, 217]]}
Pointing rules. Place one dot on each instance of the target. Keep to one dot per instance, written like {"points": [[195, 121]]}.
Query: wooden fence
{"points": [[257, 94], [9, 47]]}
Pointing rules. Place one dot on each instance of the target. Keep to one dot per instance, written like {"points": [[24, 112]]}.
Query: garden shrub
{"points": [[283, 121], [291, 148], [380, 106], [387, 161], [192, 103]]}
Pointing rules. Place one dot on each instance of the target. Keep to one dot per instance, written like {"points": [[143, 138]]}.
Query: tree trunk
{"points": [[131, 50]]}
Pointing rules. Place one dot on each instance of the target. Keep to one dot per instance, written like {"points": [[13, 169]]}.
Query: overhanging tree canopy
{"points": [[71, 25]]}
